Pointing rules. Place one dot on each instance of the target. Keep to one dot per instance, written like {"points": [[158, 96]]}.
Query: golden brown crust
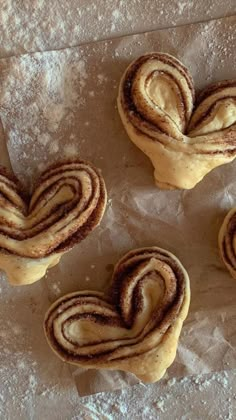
{"points": [[147, 303]]}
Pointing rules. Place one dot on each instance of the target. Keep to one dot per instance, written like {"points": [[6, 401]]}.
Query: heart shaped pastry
{"points": [[184, 140], [68, 202], [135, 327], [227, 241]]}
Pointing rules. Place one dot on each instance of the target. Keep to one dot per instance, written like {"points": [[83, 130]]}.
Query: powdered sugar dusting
{"points": [[25, 362], [71, 150], [54, 89], [44, 139], [54, 147], [51, 104], [47, 107], [192, 396], [47, 26]]}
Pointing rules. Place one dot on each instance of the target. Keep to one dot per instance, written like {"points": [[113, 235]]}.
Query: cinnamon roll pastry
{"points": [[183, 139], [227, 242], [134, 327], [67, 203]]}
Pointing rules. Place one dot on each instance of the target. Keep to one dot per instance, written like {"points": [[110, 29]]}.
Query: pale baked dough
{"points": [[20, 270], [67, 204], [227, 241], [156, 102], [135, 327]]}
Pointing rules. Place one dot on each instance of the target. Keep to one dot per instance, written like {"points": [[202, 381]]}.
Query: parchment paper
{"points": [[63, 103], [52, 25]]}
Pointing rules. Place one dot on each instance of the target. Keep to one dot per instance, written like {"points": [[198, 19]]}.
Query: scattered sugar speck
{"points": [[44, 139], [71, 150], [53, 147], [101, 78], [56, 289]]}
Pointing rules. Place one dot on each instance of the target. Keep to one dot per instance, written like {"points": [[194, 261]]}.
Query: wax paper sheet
{"points": [[63, 103]]}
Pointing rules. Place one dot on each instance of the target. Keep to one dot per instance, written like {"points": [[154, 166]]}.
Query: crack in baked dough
{"points": [[134, 327], [184, 140], [67, 203]]}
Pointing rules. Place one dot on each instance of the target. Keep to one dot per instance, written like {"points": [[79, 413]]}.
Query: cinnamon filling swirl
{"points": [[184, 141], [227, 242], [68, 202], [135, 327]]}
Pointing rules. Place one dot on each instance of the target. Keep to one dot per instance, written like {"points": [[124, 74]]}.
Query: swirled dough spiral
{"points": [[68, 202], [135, 327], [183, 140], [227, 241]]}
